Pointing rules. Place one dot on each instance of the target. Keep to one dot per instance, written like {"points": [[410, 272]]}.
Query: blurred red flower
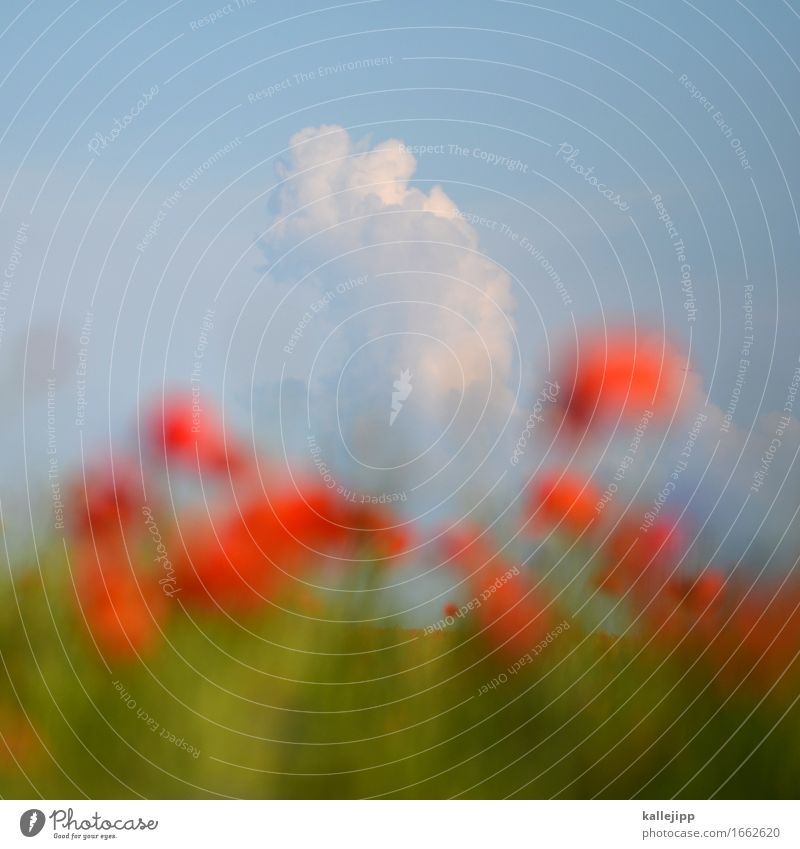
{"points": [[374, 530], [121, 607], [564, 500], [248, 556], [704, 592], [191, 435], [105, 498], [760, 641], [510, 612], [642, 561], [219, 563], [468, 547], [621, 373], [745, 637]]}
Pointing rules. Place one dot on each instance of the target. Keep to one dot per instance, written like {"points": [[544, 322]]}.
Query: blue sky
{"points": [[696, 103]]}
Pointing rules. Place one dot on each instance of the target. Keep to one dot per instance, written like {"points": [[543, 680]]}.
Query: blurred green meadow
{"points": [[284, 704]]}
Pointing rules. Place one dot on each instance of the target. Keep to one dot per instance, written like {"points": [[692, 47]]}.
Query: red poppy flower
{"points": [[295, 526], [705, 591], [220, 563], [621, 374], [374, 530], [192, 435], [508, 610], [564, 500], [247, 556], [687, 610], [512, 613], [642, 561], [106, 497], [238, 561], [450, 609], [313, 521], [746, 636], [467, 547], [756, 638], [121, 608]]}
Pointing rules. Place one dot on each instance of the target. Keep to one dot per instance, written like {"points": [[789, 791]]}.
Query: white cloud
{"points": [[432, 303]]}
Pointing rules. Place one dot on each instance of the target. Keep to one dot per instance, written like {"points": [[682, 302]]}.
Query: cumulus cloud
{"points": [[376, 276], [331, 179]]}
